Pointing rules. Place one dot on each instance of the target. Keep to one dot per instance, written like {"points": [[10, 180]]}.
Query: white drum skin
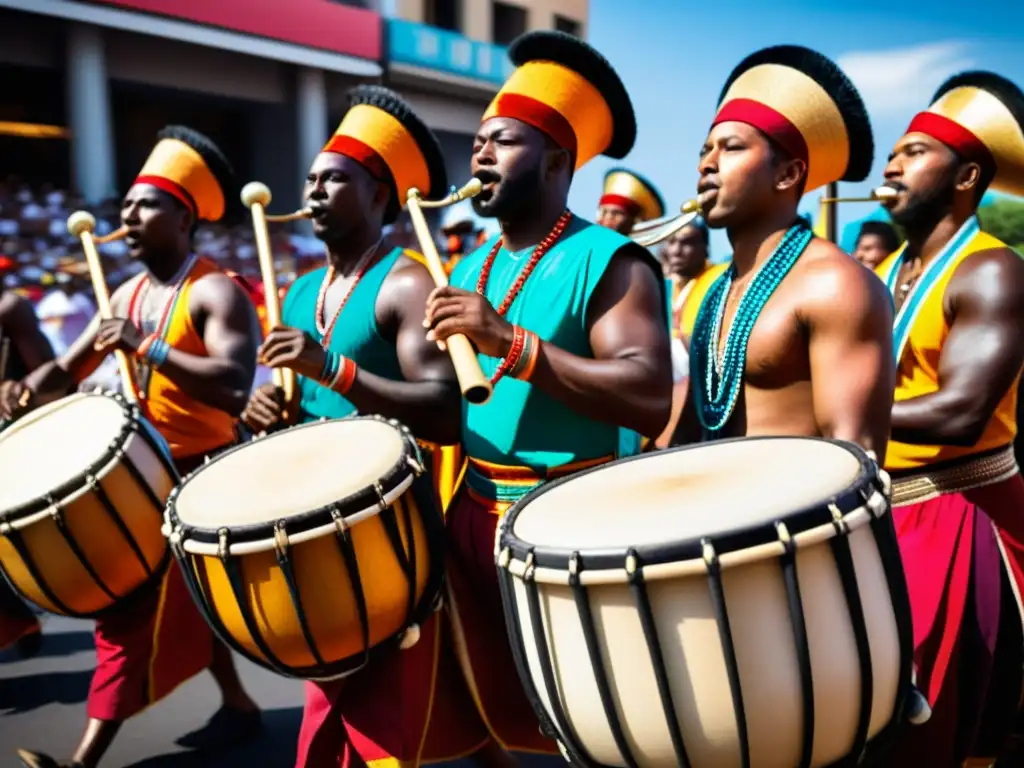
{"points": [[733, 669], [80, 523]]}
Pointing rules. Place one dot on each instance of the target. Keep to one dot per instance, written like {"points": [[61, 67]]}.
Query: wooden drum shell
{"points": [[727, 653], [97, 540]]}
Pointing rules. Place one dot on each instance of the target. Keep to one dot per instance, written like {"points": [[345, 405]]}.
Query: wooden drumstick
{"points": [[82, 224], [476, 387], [256, 197]]}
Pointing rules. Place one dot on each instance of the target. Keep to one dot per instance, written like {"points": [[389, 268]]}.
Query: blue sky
{"points": [[674, 56]]}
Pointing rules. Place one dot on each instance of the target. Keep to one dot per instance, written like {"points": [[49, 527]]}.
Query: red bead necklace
{"points": [[362, 266], [538, 253]]}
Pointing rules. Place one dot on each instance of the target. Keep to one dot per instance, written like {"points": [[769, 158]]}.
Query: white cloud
{"points": [[899, 81]]}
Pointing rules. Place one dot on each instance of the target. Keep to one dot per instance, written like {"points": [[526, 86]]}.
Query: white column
{"points": [[89, 112], [311, 108]]}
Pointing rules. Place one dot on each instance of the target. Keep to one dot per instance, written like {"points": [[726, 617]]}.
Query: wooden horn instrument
{"points": [[648, 233], [256, 197], [878, 195], [476, 387], [82, 224]]}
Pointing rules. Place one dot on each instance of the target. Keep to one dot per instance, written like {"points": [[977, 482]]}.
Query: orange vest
{"points": [[920, 332], [190, 427], [698, 290]]}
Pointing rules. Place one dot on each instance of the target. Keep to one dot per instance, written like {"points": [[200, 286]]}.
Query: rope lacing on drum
{"points": [[784, 536], [281, 542], [223, 549], [529, 566], [838, 521], [381, 501]]}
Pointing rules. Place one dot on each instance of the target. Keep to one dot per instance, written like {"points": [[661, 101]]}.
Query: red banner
{"points": [[323, 24]]}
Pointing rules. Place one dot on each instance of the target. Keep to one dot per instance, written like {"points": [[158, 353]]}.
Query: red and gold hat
{"points": [[980, 116], [186, 164], [633, 193], [806, 104], [382, 133], [569, 91]]}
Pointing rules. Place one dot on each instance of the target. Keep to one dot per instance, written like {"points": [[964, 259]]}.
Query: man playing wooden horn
{"points": [[958, 346], [194, 334], [628, 198], [23, 348], [353, 331], [793, 339], [569, 320]]}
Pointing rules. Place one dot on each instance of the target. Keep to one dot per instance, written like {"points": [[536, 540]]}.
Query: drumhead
{"points": [[288, 473], [687, 493], [55, 444]]}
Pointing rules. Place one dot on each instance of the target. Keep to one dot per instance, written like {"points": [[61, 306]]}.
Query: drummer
{"points": [[813, 324], [627, 199], [23, 348], [569, 320], [353, 332], [193, 334], [688, 276], [959, 297]]}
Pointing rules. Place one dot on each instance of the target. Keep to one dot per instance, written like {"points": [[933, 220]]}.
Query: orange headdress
{"points": [[569, 91]]}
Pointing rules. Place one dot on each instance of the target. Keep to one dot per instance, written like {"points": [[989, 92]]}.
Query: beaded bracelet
{"points": [[523, 369], [339, 372], [515, 352], [154, 351]]}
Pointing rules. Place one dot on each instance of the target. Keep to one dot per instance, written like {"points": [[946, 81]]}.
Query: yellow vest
{"points": [[921, 330], [701, 284]]}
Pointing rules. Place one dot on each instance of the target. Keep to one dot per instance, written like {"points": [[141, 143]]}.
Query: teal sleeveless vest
{"points": [[355, 336], [521, 425]]}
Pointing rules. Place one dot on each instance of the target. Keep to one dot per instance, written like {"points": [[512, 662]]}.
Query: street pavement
{"points": [[42, 706]]}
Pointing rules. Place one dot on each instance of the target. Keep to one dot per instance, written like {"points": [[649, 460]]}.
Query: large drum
{"points": [[85, 481], [740, 603], [312, 549]]}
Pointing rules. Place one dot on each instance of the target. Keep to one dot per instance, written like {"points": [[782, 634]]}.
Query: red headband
{"points": [[362, 153], [629, 206], [539, 115], [172, 188], [773, 124], [954, 136]]}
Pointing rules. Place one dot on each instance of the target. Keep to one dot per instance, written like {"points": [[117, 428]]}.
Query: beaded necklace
{"points": [[717, 369], [163, 325], [326, 330], [538, 253]]}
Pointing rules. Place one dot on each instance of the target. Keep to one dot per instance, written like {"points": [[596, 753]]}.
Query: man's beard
{"points": [[923, 209], [514, 194]]}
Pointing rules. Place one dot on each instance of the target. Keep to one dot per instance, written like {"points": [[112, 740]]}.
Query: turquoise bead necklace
{"points": [[717, 369]]}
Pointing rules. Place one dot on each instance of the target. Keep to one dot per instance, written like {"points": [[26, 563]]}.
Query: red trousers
{"points": [[963, 555]]}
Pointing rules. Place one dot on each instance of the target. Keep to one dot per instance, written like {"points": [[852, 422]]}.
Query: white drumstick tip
{"points": [[255, 192], [81, 221]]}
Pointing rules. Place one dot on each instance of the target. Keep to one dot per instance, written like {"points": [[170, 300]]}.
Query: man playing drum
{"points": [[793, 339], [628, 199], [23, 348], [353, 332], [193, 333], [958, 346], [569, 320]]}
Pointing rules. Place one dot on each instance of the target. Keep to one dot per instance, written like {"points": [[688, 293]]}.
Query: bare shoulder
{"points": [[409, 276], [993, 278], [632, 265], [122, 295], [216, 289], [11, 304], [833, 285]]}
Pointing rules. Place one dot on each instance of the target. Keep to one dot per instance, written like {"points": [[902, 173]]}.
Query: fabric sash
{"points": [[943, 263]]}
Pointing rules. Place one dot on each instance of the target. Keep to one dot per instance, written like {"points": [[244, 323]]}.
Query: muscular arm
{"points": [[230, 331], [849, 320], [21, 326], [428, 400], [980, 359], [629, 381]]}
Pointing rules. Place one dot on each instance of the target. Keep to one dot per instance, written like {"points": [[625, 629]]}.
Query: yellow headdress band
{"points": [[382, 133], [633, 193], [980, 115], [186, 164], [802, 101], [566, 89]]}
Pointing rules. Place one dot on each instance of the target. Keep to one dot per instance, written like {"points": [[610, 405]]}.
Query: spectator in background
{"points": [[876, 240]]}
